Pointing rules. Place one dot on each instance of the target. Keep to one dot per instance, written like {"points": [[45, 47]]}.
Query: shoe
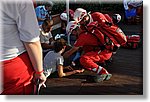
{"points": [[100, 78], [102, 75], [108, 76], [105, 73]]}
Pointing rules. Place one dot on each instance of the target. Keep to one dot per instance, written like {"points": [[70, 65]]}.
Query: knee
{"points": [[83, 59]]}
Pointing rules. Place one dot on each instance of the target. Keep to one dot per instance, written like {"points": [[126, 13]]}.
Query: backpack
{"points": [[113, 33], [104, 41]]}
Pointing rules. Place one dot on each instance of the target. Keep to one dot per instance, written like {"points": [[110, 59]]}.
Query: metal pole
{"points": [[67, 9]]}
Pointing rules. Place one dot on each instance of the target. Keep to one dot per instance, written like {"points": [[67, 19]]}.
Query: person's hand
{"points": [[41, 77], [79, 71]]}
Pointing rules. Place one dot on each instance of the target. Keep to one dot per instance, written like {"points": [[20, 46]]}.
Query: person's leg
{"points": [[17, 75], [89, 61]]}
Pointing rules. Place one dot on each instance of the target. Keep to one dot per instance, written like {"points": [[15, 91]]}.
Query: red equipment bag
{"points": [[106, 26], [132, 41], [114, 33]]}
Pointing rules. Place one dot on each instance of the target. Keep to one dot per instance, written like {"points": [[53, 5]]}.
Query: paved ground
{"points": [[126, 68]]}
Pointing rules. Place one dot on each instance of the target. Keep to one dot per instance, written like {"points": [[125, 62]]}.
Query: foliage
{"points": [[60, 6]]}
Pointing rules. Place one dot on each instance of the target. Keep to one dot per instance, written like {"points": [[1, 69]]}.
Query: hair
{"points": [[48, 22], [48, 3], [59, 44]]}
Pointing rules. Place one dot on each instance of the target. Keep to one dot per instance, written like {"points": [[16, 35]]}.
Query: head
{"points": [[60, 45], [73, 28], [71, 14], [116, 18], [47, 25], [81, 16], [63, 16], [48, 5]]}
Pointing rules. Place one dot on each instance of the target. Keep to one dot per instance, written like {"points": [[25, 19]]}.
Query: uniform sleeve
{"points": [[108, 18], [97, 16], [60, 61], [27, 23], [79, 42]]}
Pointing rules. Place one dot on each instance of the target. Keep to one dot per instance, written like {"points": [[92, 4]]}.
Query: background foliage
{"points": [[59, 7]]}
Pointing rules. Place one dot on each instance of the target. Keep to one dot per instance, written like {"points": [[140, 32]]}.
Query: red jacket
{"points": [[87, 41]]}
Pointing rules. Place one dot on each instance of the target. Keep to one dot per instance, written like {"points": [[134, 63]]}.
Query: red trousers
{"points": [[90, 59], [17, 76]]}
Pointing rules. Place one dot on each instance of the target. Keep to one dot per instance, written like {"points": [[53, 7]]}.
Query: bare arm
{"points": [[46, 46], [35, 53], [40, 19], [70, 52], [62, 74], [63, 25]]}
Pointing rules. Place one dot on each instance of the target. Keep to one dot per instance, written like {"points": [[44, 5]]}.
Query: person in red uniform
{"points": [[92, 53], [104, 20], [83, 18]]}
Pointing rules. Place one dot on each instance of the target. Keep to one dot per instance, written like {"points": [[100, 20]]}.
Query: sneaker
{"points": [[100, 78], [108, 76], [102, 75], [104, 72]]}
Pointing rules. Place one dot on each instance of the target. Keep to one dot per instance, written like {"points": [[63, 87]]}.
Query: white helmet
{"points": [[117, 18], [79, 14], [63, 16], [70, 26]]}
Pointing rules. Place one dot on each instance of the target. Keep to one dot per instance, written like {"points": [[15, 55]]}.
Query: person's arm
{"points": [[40, 19], [62, 74], [46, 46], [35, 54], [70, 52], [51, 40], [63, 25], [29, 34]]}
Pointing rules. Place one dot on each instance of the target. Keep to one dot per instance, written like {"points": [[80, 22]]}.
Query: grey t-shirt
{"points": [[51, 61], [18, 24]]}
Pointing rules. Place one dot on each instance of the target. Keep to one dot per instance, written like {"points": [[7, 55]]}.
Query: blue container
{"points": [[130, 13]]}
